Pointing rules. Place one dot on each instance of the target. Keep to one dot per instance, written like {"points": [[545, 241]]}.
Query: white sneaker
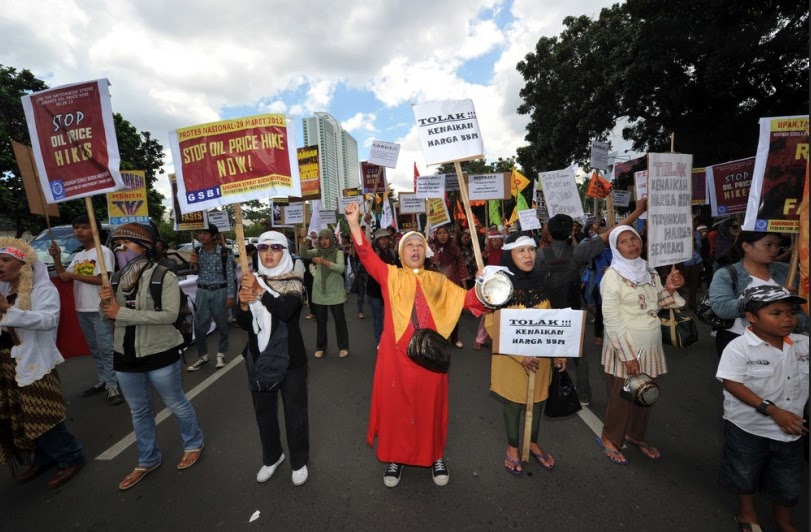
{"points": [[266, 472], [220, 360], [300, 476]]}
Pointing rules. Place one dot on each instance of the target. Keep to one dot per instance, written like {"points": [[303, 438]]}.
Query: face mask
{"points": [[124, 256]]}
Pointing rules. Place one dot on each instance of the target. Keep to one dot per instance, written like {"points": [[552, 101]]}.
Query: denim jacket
{"points": [[728, 304]]}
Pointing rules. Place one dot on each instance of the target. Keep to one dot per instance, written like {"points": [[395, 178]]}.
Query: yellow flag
{"points": [[519, 182]]}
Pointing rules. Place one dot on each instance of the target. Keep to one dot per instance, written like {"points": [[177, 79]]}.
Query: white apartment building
{"points": [[337, 156]]}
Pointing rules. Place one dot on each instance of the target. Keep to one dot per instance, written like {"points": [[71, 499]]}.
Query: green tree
{"points": [[138, 151], [705, 70]]}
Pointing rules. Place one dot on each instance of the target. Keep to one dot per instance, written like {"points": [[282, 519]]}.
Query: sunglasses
{"points": [[264, 247]]}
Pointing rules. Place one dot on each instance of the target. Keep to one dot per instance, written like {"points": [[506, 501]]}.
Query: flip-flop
{"points": [[615, 456], [136, 476], [645, 446], [543, 457], [747, 527], [516, 463], [190, 458]]}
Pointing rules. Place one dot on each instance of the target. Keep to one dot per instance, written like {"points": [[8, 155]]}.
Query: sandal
{"points": [[612, 454], [647, 449], [136, 476], [545, 460], [747, 527], [190, 458], [361, 316], [515, 463]]}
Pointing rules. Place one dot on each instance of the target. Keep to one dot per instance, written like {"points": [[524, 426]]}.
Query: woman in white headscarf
{"points": [[632, 297], [270, 303]]}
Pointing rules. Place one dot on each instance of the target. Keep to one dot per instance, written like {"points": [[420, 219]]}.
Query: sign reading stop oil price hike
{"points": [[234, 161], [73, 140]]}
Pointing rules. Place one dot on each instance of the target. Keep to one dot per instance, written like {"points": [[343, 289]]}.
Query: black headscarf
{"points": [[528, 290]]}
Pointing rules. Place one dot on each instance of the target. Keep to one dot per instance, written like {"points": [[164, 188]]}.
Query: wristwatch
{"points": [[761, 408]]}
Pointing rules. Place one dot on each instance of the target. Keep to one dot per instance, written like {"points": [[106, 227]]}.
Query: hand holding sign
{"points": [[674, 281]]}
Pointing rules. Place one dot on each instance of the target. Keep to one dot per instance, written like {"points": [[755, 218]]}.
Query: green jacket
{"points": [[335, 294]]}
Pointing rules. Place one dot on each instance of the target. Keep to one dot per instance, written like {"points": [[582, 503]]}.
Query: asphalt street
{"points": [[345, 489]]}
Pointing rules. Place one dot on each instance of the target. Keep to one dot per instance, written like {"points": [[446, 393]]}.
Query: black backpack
{"points": [[561, 278], [185, 317]]}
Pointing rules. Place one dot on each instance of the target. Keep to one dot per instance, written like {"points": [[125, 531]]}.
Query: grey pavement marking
{"points": [[129, 439]]}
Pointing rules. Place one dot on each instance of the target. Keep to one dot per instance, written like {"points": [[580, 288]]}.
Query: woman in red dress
{"points": [[409, 411]]}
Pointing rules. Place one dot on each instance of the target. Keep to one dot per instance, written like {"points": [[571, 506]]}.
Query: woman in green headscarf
{"points": [[328, 291]]}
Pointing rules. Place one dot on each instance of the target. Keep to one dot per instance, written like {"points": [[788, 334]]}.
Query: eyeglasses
{"points": [[264, 247]]}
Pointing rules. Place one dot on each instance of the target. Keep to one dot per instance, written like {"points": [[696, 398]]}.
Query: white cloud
{"points": [[360, 122]]}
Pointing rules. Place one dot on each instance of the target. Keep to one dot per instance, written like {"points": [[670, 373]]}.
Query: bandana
{"points": [[17, 253]]}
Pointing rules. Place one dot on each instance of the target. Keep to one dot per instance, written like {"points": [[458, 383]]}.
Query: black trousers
{"points": [[321, 326], [722, 338], [296, 424]]}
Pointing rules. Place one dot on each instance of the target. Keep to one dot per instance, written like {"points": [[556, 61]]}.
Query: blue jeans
{"points": [[166, 380], [98, 333], [210, 304], [58, 446], [377, 316]]}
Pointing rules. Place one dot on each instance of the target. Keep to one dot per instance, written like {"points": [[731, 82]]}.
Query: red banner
{"points": [[700, 186], [729, 186]]}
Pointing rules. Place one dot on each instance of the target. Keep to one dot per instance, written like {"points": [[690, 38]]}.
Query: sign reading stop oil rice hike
{"points": [[449, 131], [234, 161], [73, 139], [670, 204]]}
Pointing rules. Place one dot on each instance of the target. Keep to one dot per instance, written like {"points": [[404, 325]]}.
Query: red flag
{"points": [[416, 175]]}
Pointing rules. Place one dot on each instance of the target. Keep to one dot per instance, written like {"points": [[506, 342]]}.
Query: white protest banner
{"points": [[488, 186], [437, 212], [294, 214], [316, 224], [384, 153], [343, 201], [540, 202], [234, 161], [451, 183], [449, 131], [329, 217], [539, 332], [388, 218], [430, 186], [599, 155], [219, 219], [622, 198], [529, 219], [560, 192], [670, 206], [410, 204], [73, 140], [641, 188]]}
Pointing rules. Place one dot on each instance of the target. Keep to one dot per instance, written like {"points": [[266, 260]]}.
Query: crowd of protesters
{"points": [[409, 281]]}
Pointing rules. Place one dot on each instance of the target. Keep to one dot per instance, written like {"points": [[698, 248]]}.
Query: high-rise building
{"points": [[337, 156]]}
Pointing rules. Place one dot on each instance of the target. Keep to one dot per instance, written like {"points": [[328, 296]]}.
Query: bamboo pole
{"points": [[96, 239], [528, 416], [240, 231]]}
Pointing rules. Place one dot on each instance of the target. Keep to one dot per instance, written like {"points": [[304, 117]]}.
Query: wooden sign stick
{"points": [[528, 416], [794, 264], [477, 252], [240, 231], [88, 203]]}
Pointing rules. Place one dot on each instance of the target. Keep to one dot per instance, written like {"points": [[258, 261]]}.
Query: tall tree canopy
{"points": [[705, 70], [139, 151]]}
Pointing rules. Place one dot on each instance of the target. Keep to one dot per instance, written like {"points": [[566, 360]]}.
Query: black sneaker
{"points": [[440, 472], [93, 390], [114, 396], [202, 361], [393, 474]]}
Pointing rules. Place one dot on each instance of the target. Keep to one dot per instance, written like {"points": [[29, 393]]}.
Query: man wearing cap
{"points": [[216, 289], [85, 273], [765, 377]]}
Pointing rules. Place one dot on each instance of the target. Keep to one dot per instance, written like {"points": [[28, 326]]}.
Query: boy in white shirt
{"points": [[765, 378], [85, 273]]}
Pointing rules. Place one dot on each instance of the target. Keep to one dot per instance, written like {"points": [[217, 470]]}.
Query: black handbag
{"points": [[704, 308], [428, 349], [562, 400], [678, 330]]}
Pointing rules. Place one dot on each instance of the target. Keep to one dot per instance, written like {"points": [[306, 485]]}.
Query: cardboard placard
{"points": [[529, 220], [670, 206], [489, 186], [430, 186], [539, 332], [384, 153], [599, 155], [410, 203], [560, 192], [622, 198], [449, 131]]}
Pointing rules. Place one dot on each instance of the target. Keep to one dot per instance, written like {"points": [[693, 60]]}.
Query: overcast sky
{"points": [[176, 63]]}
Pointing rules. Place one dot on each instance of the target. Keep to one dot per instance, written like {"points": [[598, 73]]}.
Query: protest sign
{"points": [[129, 205], [540, 202], [449, 131], [598, 187], [670, 221], [451, 183], [641, 188], [778, 176], [729, 185], [489, 186], [234, 161], [622, 198], [329, 217], [33, 193], [73, 139], [277, 206], [309, 172], [534, 332], [294, 214], [437, 212], [700, 186], [190, 221], [408, 222], [560, 193], [430, 186], [343, 201], [220, 220], [529, 220], [599, 155], [373, 178], [410, 203], [384, 153]]}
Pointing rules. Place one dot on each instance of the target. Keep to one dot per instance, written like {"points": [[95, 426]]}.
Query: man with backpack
{"points": [[216, 290], [562, 265]]}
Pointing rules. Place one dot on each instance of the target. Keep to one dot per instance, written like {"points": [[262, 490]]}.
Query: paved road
{"points": [[345, 490]]}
